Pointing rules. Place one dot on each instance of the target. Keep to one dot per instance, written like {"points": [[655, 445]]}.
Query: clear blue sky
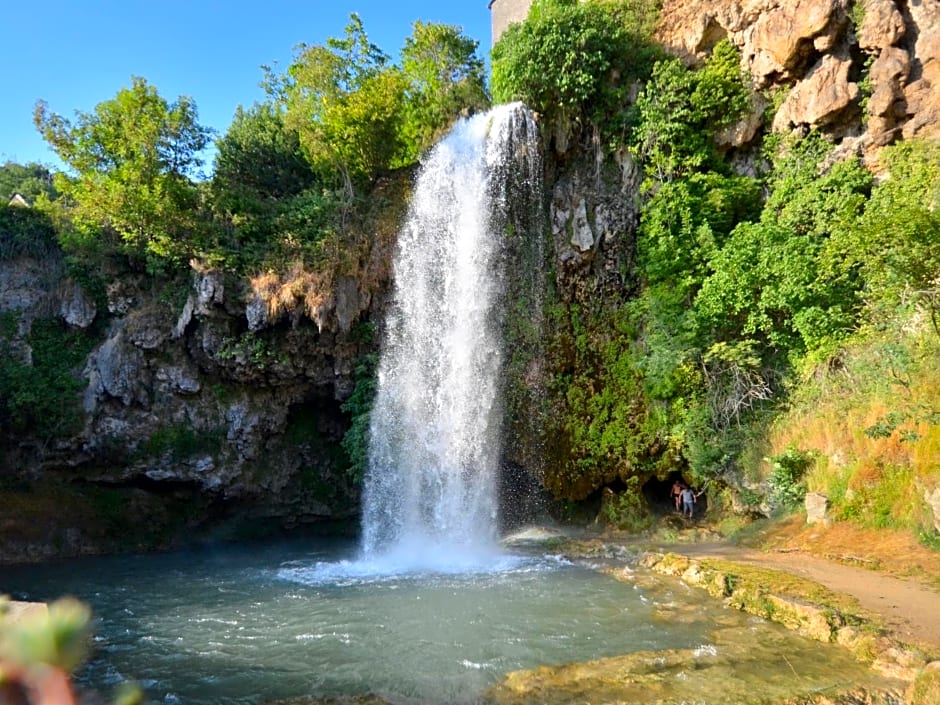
{"points": [[75, 54]]}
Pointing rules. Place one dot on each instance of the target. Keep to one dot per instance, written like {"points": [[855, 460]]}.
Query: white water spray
{"points": [[430, 490]]}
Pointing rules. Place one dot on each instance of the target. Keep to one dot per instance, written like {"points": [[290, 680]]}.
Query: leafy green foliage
{"points": [[29, 180], [59, 637], [741, 278], [787, 483], [787, 279], [131, 161], [26, 232], [181, 441], [899, 244], [684, 225], [40, 396], [627, 510], [247, 349], [680, 112], [608, 429], [342, 99], [291, 172], [357, 114], [40, 649], [444, 76], [258, 161], [903, 421], [272, 208], [574, 61], [359, 407]]}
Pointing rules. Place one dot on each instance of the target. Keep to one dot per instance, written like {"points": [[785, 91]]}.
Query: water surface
{"points": [[256, 623]]}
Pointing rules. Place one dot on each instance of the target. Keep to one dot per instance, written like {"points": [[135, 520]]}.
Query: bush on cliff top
{"points": [[575, 62]]}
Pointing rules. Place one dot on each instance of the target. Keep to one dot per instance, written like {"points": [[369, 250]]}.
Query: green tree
{"points": [[26, 232], [786, 279], [30, 180], [686, 222], [445, 77], [899, 244], [344, 100], [258, 160], [574, 61], [265, 196], [131, 162]]}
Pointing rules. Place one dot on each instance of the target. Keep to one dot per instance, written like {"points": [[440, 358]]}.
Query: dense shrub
{"points": [[787, 478], [681, 111], [26, 232], [41, 396], [575, 62]]}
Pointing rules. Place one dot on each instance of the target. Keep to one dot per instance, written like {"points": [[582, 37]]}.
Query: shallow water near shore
{"points": [[257, 623]]}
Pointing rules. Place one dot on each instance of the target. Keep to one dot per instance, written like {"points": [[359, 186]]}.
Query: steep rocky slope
{"points": [[867, 72]]}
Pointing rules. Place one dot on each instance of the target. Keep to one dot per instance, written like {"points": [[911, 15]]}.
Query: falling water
{"points": [[430, 492]]}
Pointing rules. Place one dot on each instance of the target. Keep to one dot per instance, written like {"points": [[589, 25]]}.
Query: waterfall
{"points": [[430, 488]]}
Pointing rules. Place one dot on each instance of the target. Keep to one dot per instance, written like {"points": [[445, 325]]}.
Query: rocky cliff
{"points": [[193, 395], [202, 405], [866, 72]]}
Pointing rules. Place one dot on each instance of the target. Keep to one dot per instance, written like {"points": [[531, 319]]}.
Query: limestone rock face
{"points": [[782, 38], [25, 286], [76, 307], [820, 98], [887, 107], [192, 394], [116, 370], [923, 92], [882, 26], [347, 302], [812, 51], [592, 221]]}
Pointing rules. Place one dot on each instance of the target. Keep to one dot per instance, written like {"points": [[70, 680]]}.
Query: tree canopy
{"points": [[445, 78], [357, 114], [574, 62], [131, 161], [29, 180]]}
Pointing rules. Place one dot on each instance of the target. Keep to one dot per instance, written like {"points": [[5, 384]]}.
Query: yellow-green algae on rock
{"points": [[746, 660], [801, 605], [751, 664]]}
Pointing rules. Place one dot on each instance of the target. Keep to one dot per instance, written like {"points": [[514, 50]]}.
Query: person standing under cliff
{"points": [[688, 501], [676, 494]]}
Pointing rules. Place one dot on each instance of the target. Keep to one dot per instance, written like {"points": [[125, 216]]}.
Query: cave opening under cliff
{"points": [[658, 492]]}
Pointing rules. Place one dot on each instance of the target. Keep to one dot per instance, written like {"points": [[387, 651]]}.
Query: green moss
{"points": [[355, 441], [249, 348], [181, 441], [42, 397]]}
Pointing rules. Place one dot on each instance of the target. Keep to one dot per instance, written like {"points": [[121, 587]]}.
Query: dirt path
{"points": [[911, 611]]}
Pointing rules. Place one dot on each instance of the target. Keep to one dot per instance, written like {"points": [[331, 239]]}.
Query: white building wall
{"points": [[504, 12]]}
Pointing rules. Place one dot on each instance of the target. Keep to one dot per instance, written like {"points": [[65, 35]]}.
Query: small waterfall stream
{"points": [[430, 492]]}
